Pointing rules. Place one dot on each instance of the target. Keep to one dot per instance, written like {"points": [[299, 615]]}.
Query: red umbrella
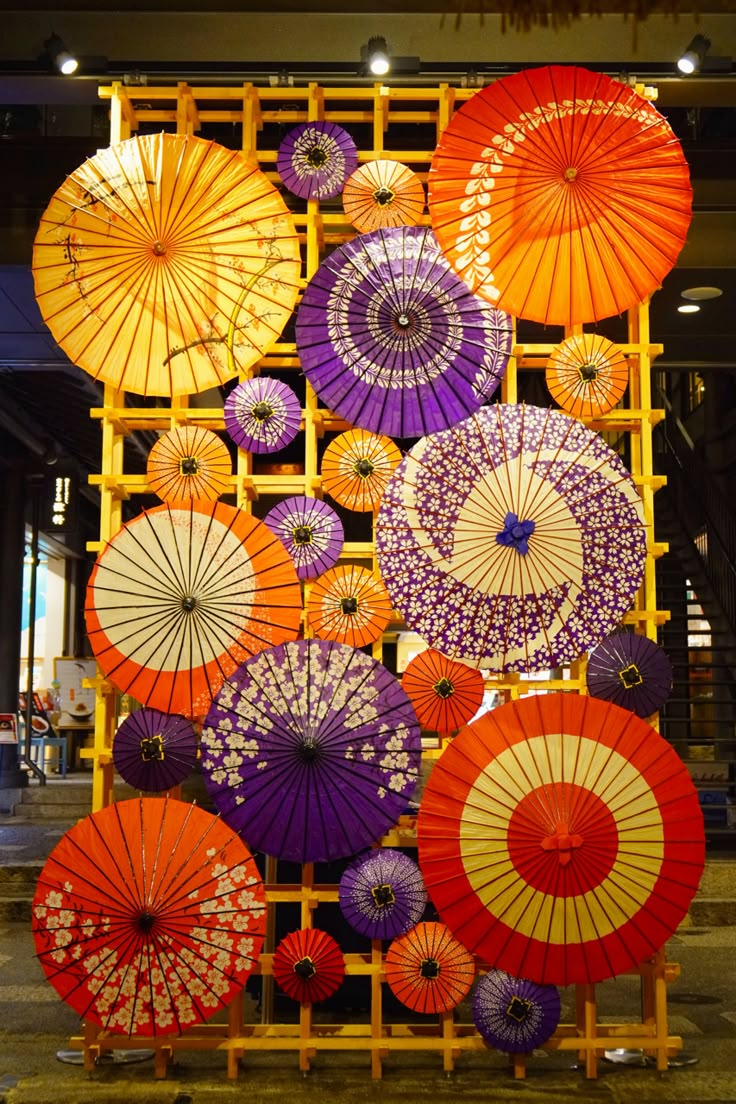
{"points": [[308, 965], [445, 694]]}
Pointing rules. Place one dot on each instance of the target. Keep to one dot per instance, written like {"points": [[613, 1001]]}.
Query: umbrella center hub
{"points": [[145, 922], [188, 603], [302, 534], [349, 605], [430, 968], [519, 1009], [631, 676], [188, 465], [444, 688], [309, 750], [305, 968], [364, 468], [262, 411], [563, 841], [317, 157], [404, 320], [152, 748], [516, 533], [383, 196], [159, 248], [383, 895], [570, 174], [588, 373]]}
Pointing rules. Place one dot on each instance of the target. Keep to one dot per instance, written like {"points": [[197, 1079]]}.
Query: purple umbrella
{"points": [[262, 414], [311, 750], [382, 894], [514, 1015], [315, 159], [632, 671], [154, 751], [310, 530], [392, 340]]}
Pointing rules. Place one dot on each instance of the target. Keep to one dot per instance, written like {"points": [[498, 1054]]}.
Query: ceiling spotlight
{"points": [[694, 56], [699, 294], [688, 308], [63, 59], [376, 56]]}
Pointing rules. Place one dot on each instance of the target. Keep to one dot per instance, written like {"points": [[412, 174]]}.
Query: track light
{"points": [[694, 56], [376, 56], [62, 58]]}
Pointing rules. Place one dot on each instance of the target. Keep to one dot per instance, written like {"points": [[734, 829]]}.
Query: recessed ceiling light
{"points": [[698, 294], [688, 308]]}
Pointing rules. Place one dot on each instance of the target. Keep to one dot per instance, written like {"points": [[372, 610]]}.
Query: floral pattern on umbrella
{"points": [[348, 604], [382, 894], [356, 467], [189, 462], [315, 159], [262, 415], [383, 193], [515, 1015], [310, 531]]}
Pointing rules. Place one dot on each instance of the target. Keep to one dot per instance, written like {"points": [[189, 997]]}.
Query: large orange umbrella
{"points": [[350, 605], [383, 193], [587, 375], [189, 462], [560, 195], [165, 264], [445, 694], [356, 467]]}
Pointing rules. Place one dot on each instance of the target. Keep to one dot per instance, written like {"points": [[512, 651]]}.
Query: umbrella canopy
{"points": [[189, 462], [310, 531], [383, 193], [315, 159], [154, 751], [308, 965], [166, 264], [445, 694], [392, 340], [561, 839], [632, 671], [382, 894], [311, 751], [428, 970], [513, 1014], [560, 195], [356, 467], [149, 916], [262, 415], [348, 604], [514, 540], [587, 375], [181, 595]]}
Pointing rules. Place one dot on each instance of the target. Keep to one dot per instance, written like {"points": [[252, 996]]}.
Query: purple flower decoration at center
{"points": [[515, 533]]}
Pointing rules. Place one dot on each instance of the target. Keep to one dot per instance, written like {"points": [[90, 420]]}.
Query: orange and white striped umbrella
{"points": [[356, 467], [587, 375], [383, 193], [189, 462], [350, 605]]}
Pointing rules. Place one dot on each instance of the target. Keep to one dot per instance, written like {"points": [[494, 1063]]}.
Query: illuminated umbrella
{"points": [[308, 965], [181, 595], [392, 340], [189, 462], [262, 415], [445, 694], [166, 264], [428, 970], [513, 1014], [149, 916], [561, 839], [514, 540], [348, 604], [560, 195], [315, 159], [382, 894], [383, 193], [587, 375], [311, 751], [356, 467], [311, 532], [154, 751], [631, 671]]}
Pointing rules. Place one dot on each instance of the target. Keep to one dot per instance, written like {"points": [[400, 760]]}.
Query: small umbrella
{"points": [[348, 604], [166, 264], [392, 340], [308, 965], [310, 531], [514, 540], [561, 838], [262, 415], [189, 462], [382, 894], [356, 467], [429, 970], [560, 195], [181, 595], [315, 159], [383, 193], [153, 750], [513, 1014], [445, 694], [587, 375], [311, 751], [632, 671], [149, 916]]}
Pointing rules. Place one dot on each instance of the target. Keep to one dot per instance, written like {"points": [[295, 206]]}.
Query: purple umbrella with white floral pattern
{"points": [[315, 159], [262, 414], [514, 540], [154, 751], [393, 341], [515, 1015], [311, 751], [382, 894], [311, 532], [631, 671]]}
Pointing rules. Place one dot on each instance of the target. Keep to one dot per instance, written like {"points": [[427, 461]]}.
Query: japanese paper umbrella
{"points": [[514, 540], [383, 193], [560, 195], [262, 414], [348, 604], [561, 839], [356, 467], [630, 670], [181, 595], [189, 462], [315, 159], [154, 751], [149, 916], [392, 340], [445, 694], [513, 1014], [382, 894], [311, 532], [308, 965], [587, 375], [166, 264], [428, 969], [311, 751]]}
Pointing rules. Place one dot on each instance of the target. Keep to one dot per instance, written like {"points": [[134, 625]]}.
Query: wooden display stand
{"points": [[376, 110]]}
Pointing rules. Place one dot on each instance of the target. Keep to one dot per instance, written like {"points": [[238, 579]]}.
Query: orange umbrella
{"points": [[308, 965], [383, 193], [350, 605], [165, 264], [189, 462], [428, 969], [560, 195], [587, 375], [356, 467], [445, 694]]}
